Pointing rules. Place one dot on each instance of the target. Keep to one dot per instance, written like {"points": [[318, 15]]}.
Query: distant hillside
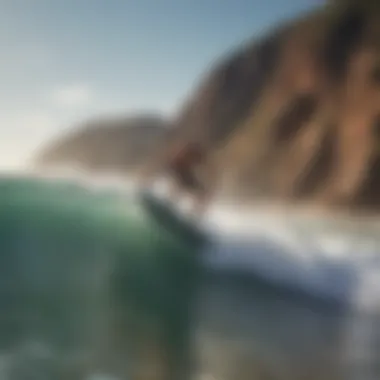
{"points": [[295, 115], [107, 144]]}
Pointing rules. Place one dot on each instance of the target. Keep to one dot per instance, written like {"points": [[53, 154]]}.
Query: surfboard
{"points": [[167, 217]]}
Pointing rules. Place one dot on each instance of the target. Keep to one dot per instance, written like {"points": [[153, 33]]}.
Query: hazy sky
{"points": [[65, 60]]}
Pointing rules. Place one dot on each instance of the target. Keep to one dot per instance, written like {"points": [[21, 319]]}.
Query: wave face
{"points": [[81, 267], [89, 280]]}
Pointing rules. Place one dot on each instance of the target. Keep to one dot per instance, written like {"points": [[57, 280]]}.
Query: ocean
{"points": [[93, 287]]}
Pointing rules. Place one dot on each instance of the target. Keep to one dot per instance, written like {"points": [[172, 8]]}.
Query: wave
{"points": [[320, 256], [325, 256], [63, 236]]}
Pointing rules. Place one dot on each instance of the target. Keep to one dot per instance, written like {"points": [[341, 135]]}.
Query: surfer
{"points": [[182, 165]]}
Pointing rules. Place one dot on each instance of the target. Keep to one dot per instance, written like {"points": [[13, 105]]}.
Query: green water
{"points": [[102, 287], [74, 262]]}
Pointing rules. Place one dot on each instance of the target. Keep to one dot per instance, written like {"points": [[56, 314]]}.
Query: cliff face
{"points": [[108, 144], [296, 115], [293, 116]]}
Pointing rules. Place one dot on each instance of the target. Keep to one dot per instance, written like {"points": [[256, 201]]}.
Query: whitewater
{"points": [[326, 259], [329, 256]]}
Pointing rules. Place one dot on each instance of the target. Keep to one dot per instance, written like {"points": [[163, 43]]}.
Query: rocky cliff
{"points": [[295, 116], [292, 116]]}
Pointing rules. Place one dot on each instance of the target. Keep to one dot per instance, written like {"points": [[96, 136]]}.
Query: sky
{"points": [[65, 61]]}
